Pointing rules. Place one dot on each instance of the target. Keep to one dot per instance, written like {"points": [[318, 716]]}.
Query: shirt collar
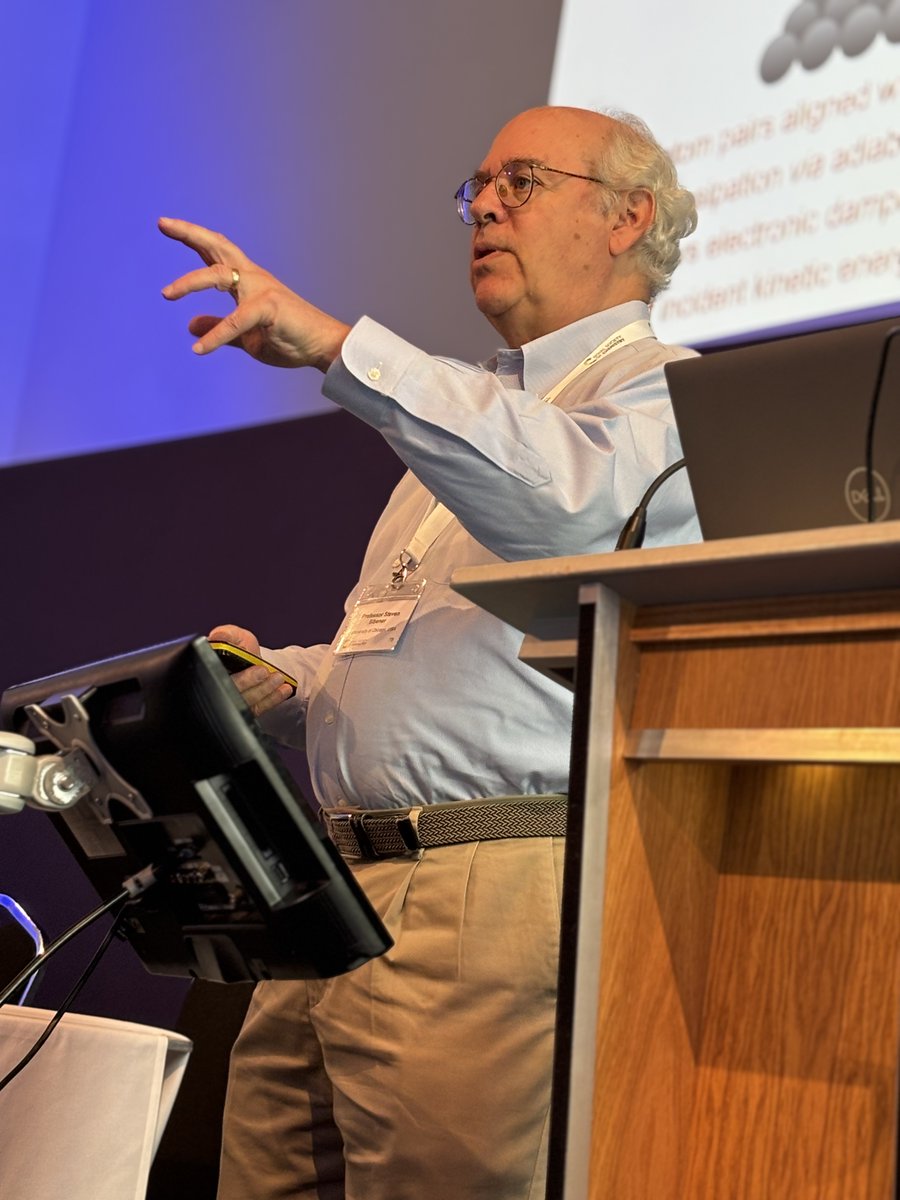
{"points": [[548, 359]]}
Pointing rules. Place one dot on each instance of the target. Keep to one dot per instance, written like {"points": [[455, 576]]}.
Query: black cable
{"points": [[632, 535], [870, 431], [133, 887], [82, 979], [64, 938]]}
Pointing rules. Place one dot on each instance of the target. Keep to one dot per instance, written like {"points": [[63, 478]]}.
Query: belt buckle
{"points": [[406, 825], [355, 819]]}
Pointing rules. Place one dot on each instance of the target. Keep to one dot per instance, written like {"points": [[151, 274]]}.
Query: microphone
{"points": [[632, 535], [870, 432]]}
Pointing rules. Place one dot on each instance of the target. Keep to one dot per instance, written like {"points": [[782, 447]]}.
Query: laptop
{"points": [[774, 435]]}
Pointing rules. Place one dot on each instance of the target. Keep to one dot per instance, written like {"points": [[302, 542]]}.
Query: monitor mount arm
{"points": [[56, 782]]}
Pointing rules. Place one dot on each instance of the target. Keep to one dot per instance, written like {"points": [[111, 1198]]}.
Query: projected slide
{"points": [[784, 120]]}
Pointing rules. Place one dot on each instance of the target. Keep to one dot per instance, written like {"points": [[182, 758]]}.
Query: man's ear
{"points": [[637, 209]]}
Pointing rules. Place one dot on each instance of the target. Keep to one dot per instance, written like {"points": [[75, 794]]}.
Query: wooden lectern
{"points": [[729, 1013]]}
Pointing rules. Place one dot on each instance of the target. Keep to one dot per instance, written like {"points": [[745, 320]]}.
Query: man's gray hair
{"points": [[632, 158]]}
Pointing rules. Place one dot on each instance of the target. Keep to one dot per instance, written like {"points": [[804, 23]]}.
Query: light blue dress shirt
{"points": [[451, 713]]}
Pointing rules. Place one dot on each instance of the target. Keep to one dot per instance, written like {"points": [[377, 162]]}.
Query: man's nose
{"points": [[487, 206]]}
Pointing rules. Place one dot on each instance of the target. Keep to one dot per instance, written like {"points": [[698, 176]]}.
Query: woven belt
{"points": [[363, 833]]}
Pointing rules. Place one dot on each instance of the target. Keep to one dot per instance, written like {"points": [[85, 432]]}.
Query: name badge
{"points": [[379, 618]]}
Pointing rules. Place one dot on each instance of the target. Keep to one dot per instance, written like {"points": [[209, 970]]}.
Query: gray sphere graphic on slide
{"points": [[814, 29]]}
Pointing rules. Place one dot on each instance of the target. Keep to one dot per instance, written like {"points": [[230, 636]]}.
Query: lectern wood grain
{"points": [[749, 1010]]}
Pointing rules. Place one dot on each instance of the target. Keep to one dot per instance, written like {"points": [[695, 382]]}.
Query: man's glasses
{"points": [[514, 183]]}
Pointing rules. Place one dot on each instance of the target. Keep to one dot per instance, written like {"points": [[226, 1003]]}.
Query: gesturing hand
{"points": [[270, 322]]}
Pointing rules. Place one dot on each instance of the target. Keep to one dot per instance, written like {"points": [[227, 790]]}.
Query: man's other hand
{"points": [[262, 689]]}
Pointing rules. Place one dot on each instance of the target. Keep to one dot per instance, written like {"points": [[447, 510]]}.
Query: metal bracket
{"points": [[84, 761]]}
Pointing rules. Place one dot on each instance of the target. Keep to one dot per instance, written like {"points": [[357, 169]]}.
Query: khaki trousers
{"points": [[425, 1074]]}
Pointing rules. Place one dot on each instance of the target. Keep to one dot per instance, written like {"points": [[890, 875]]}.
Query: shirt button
{"points": [[374, 373], [329, 718]]}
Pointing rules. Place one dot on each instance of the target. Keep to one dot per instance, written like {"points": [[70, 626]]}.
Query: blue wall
{"points": [[327, 139]]}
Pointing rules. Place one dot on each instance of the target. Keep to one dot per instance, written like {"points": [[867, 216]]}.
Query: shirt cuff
{"points": [[374, 357]]}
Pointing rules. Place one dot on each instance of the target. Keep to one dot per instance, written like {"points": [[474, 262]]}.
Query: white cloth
{"points": [[451, 714], [85, 1117]]}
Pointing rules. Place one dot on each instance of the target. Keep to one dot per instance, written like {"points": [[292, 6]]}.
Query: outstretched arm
{"points": [[269, 322]]}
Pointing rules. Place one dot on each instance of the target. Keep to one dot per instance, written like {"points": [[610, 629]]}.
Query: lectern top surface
{"points": [[844, 558]]}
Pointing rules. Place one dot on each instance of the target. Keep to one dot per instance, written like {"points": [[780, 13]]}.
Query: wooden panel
{"points": [[856, 612], [748, 1022], [820, 822], [852, 680], [666, 828], [792, 1147], [801, 1029]]}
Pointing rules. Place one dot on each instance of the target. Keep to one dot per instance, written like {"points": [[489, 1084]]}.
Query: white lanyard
{"points": [[622, 337], [430, 527], [439, 517]]}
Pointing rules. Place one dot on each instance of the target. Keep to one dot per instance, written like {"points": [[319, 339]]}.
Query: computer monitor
{"points": [[182, 776]]}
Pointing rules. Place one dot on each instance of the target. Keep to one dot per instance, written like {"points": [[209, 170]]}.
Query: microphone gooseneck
{"points": [[632, 535]]}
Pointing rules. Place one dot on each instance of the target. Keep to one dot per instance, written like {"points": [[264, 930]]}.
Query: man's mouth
{"points": [[483, 251]]}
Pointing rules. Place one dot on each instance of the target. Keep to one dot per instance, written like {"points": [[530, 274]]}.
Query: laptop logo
{"points": [[857, 495]]}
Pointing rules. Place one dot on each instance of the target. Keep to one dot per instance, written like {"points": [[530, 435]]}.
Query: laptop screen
{"points": [[774, 435]]}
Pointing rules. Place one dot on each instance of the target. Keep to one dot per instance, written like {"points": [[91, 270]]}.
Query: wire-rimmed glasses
{"points": [[514, 183]]}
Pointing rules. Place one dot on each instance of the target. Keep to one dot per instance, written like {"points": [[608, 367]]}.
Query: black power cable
{"points": [[632, 535], [120, 900], [870, 432], [57, 944], [132, 888]]}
